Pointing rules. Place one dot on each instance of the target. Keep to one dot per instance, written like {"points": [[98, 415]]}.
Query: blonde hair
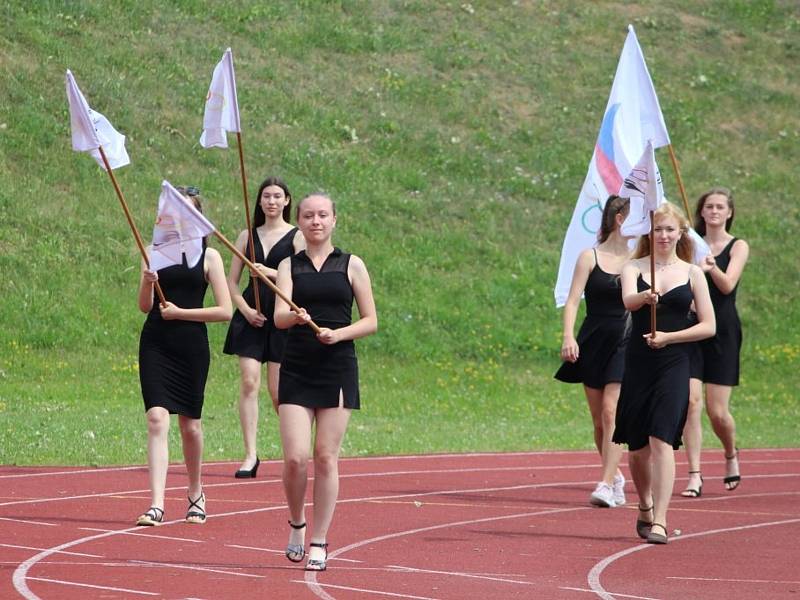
{"points": [[685, 247]]}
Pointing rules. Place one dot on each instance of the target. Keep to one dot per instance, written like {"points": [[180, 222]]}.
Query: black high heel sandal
{"points": [[314, 564], [732, 481], [692, 492], [643, 527], [296, 552], [248, 473]]}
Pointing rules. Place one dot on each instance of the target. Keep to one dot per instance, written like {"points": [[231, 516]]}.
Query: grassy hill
{"points": [[454, 137]]}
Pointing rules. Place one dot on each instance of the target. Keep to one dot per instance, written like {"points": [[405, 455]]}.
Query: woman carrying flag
{"points": [[654, 396], [174, 358]]}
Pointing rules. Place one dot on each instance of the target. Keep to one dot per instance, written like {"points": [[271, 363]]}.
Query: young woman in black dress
{"points": [[252, 335], [717, 362], [596, 359], [173, 367], [655, 387], [319, 372]]}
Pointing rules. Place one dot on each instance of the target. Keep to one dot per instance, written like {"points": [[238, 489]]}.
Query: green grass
{"points": [[454, 136]]}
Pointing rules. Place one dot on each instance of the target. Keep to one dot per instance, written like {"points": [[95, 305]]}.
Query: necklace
{"points": [[661, 266]]}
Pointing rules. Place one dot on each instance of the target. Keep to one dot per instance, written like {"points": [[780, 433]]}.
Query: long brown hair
{"points": [[685, 247], [259, 218], [699, 221], [614, 206]]}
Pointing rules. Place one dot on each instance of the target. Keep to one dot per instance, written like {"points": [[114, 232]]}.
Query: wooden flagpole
{"points": [[128, 216], [680, 182], [247, 217], [262, 277], [652, 272]]}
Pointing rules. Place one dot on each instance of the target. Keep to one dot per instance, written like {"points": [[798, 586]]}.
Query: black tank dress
{"points": [[266, 343], [173, 355], [314, 374], [603, 334], [720, 354], [654, 397]]}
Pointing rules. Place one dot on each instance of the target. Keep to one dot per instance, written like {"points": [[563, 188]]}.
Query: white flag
{"points": [[90, 130], [632, 117], [222, 105], [643, 186], [179, 229]]}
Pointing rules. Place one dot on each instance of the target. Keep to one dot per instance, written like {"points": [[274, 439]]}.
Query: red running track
{"points": [[440, 527]]}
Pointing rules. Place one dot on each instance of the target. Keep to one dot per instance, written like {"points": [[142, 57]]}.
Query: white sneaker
{"points": [[603, 495], [619, 490]]}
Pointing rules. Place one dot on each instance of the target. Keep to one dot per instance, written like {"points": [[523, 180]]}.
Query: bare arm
{"points": [[726, 280], [284, 317], [706, 322], [583, 267], [631, 298], [215, 275], [147, 281]]}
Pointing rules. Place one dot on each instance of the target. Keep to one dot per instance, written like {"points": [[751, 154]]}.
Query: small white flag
{"points": [[222, 105], [90, 130], [179, 229], [643, 186]]}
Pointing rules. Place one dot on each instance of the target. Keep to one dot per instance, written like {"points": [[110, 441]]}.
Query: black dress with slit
{"points": [[266, 343], [173, 354], [314, 374], [654, 397], [603, 335]]}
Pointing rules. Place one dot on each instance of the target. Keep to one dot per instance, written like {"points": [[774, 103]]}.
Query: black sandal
{"points": [[692, 492], [643, 527], [732, 481], [198, 516], [151, 517], [657, 538], [314, 564], [296, 552]]}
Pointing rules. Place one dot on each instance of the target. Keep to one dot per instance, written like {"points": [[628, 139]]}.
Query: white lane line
{"points": [[402, 569], [137, 532], [257, 549], [616, 595], [154, 564], [726, 580], [367, 591], [42, 549], [28, 522], [95, 587], [597, 570]]}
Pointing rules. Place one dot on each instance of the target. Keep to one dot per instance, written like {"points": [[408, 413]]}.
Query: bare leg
{"points": [[295, 422], [192, 438], [639, 464], [594, 398], [273, 376], [250, 370], [611, 452], [663, 478], [693, 438], [718, 406], [157, 453]]}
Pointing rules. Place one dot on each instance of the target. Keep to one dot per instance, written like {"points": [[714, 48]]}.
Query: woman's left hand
{"points": [[656, 341], [169, 311], [327, 336]]}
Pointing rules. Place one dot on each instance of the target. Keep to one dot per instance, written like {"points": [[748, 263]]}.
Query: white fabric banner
{"points": [[179, 229], [90, 129], [632, 116], [643, 186], [222, 105]]}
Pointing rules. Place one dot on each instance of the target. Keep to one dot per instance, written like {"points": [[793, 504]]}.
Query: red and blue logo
{"points": [[604, 152]]}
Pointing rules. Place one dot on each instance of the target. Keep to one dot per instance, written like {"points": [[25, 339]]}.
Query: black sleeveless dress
{"points": [[266, 343], [720, 354], [174, 355], [603, 335], [654, 397], [314, 374]]}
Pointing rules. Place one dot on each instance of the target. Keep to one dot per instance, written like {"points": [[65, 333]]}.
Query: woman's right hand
{"points": [[255, 318], [150, 276], [570, 350], [301, 317]]}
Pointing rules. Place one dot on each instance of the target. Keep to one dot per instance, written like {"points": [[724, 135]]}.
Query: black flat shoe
{"points": [[657, 538], [643, 527], [248, 473]]}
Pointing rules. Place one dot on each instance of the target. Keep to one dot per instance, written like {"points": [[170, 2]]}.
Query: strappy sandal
{"points": [[692, 492], [657, 538], [643, 527], [196, 515], [314, 564], [296, 552], [732, 481], [152, 517]]}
